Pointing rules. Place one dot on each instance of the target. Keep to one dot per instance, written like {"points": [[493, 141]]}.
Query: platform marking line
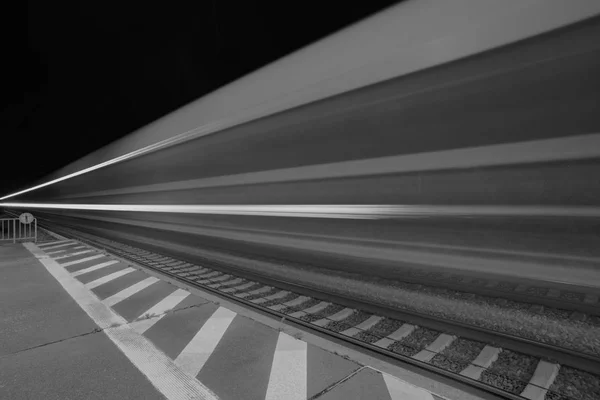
{"points": [[488, 355], [540, 382], [44, 246], [130, 291], [161, 371], [68, 264], [70, 243], [400, 390], [289, 370], [94, 268], [195, 354], [63, 250], [77, 253], [150, 317], [108, 278]]}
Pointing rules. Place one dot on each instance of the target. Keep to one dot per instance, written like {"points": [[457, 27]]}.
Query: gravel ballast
{"points": [[327, 311], [458, 355], [356, 318], [510, 372], [574, 384], [419, 339]]}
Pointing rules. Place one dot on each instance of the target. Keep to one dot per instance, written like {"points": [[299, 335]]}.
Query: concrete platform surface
{"points": [[88, 326]]}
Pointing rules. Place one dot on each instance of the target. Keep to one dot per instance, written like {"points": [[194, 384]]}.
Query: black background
{"points": [[80, 74]]}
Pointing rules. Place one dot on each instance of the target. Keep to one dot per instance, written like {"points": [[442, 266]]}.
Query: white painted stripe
{"points": [[44, 246], [164, 375], [56, 252], [62, 251], [400, 390], [437, 346], [150, 317], [488, 355], [193, 357], [571, 147], [130, 291], [108, 278], [69, 243], [289, 376], [94, 268], [340, 211], [540, 382], [68, 264], [74, 254]]}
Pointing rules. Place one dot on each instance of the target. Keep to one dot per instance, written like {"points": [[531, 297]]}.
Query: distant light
{"points": [[163, 143], [336, 211]]}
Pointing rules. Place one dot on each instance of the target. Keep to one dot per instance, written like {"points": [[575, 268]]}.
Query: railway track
{"points": [[505, 365]]}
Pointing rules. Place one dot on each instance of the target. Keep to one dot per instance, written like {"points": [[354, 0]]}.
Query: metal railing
{"points": [[12, 229]]}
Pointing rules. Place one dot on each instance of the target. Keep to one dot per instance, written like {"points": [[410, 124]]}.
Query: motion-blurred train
{"points": [[433, 127]]}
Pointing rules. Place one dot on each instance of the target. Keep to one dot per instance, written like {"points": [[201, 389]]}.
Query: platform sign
{"points": [[26, 218]]}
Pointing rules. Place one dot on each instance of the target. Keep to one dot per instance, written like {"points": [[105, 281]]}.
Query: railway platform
{"points": [[76, 323]]}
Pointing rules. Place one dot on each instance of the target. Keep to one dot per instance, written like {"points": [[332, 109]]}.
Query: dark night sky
{"points": [[85, 73]]}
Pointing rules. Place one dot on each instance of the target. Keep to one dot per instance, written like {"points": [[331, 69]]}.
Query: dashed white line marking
{"points": [[94, 268], [108, 278], [63, 250], [288, 379], [74, 254], [44, 246], [71, 242], [130, 291], [67, 264], [162, 372], [193, 357], [400, 390], [150, 317]]}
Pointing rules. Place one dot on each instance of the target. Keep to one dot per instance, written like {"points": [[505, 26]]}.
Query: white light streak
{"points": [[335, 211]]}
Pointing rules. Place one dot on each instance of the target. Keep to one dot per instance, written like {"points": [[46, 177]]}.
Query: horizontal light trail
{"points": [[164, 143], [345, 69], [578, 147], [334, 211]]}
